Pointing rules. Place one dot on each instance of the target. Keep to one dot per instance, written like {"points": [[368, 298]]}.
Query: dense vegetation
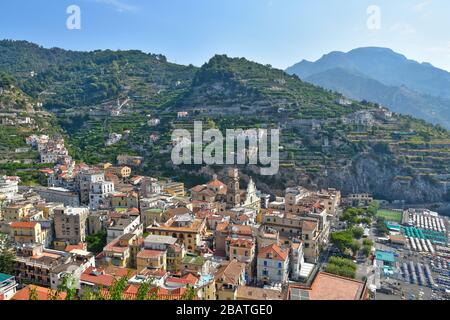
{"points": [[324, 144], [96, 242], [341, 266]]}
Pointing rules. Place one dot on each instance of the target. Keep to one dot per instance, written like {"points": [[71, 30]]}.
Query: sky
{"points": [[276, 32]]}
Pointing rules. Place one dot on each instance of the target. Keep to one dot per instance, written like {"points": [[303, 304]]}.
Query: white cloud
{"points": [[119, 5], [419, 7], [402, 28]]}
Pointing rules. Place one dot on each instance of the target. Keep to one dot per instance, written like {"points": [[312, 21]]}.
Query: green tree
{"points": [[366, 250], [6, 255], [357, 232], [381, 227], [143, 290], [32, 293], [96, 242], [190, 293], [117, 288], [342, 239]]}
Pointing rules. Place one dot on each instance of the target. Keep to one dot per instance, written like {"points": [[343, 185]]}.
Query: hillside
{"points": [[383, 76], [228, 85], [327, 140], [399, 99]]}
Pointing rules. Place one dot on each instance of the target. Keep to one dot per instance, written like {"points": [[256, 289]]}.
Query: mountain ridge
{"points": [[425, 89], [326, 140]]}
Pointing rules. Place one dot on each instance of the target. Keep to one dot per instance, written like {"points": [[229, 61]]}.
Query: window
{"points": [[265, 263], [279, 265]]}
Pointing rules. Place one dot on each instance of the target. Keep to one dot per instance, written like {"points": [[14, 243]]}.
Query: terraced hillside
{"points": [[20, 117], [327, 140]]}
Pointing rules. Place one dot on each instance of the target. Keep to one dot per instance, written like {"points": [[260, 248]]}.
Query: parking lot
{"points": [[410, 288]]}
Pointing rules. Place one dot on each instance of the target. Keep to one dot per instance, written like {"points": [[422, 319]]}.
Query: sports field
{"points": [[390, 215]]}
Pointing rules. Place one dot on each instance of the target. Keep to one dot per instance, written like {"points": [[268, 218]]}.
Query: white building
{"points": [[123, 225], [9, 186], [157, 242], [272, 265], [59, 195], [99, 193], [8, 286]]}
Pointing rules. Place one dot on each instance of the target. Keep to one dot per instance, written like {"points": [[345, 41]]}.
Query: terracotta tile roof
{"points": [[241, 242], [101, 279], [275, 252], [80, 246], [130, 293], [243, 217], [216, 183], [309, 225], [198, 188], [191, 278], [187, 279], [331, 287], [178, 211], [222, 226], [254, 293], [150, 253], [41, 292], [241, 230], [230, 273], [119, 272], [24, 225]]}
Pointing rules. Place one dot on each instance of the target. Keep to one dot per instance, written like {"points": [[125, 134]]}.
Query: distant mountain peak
{"points": [[400, 83]]}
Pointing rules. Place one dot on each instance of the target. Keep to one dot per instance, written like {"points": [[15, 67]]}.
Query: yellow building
{"points": [[150, 216], [118, 252], [121, 172], [125, 200], [152, 259], [27, 232], [228, 278], [207, 291], [47, 208], [16, 212], [175, 256], [175, 189], [185, 228]]}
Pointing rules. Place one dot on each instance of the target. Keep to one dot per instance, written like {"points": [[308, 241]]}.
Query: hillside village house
{"points": [[125, 200], [242, 250], [122, 252], [33, 263], [8, 286], [16, 212], [70, 225], [27, 232], [186, 228], [9, 186], [99, 194], [60, 195], [302, 227], [154, 255], [121, 224], [121, 171], [228, 278]]}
